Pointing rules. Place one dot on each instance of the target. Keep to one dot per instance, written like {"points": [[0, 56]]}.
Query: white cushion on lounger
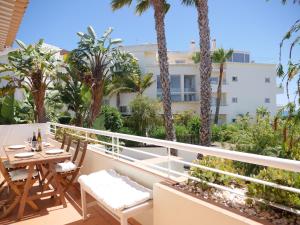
{"points": [[115, 191], [21, 174], [65, 167]]}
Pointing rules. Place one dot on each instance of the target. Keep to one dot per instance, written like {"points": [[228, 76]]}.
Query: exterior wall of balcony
{"points": [[176, 208]]}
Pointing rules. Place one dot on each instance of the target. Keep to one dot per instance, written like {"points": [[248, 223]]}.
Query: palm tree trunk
{"points": [[118, 101], [97, 95], [159, 15], [205, 72], [219, 94], [38, 94]]}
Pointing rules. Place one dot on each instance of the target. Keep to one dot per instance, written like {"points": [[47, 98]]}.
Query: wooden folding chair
{"points": [[16, 185], [66, 141], [67, 177], [65, 144]]}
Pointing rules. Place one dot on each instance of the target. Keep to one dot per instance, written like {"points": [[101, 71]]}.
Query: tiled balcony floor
{"points": [[51, 213]]}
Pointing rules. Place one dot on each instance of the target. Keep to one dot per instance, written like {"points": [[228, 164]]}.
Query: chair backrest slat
{"points": [[67, 140], [81, 147]]}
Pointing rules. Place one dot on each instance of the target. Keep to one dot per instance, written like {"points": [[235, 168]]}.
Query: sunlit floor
{"points": [[52, 213]]}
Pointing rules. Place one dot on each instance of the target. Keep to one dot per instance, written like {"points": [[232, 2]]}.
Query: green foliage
{"points": [[145, 114], [292, 73], [276, 195], [183, 118], [112, 118], [194, 125], [7, 109], [158, 132], [33, 68], [181, 132], [64, 119], [218, 163]]}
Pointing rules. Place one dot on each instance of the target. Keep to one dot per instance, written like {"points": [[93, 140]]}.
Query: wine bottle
{"points": [[33, 142], [39, 141]]}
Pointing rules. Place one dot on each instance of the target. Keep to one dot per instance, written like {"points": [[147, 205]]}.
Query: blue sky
{"points": [[256, 26]]}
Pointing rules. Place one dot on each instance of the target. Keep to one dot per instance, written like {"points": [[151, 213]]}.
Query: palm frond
{"points": [[117, 4]]}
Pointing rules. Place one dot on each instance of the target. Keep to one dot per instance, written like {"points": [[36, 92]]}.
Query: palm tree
{"points": [[205, 69], [160, 9], [220, 56], [34, 68], [99, 57], [141, 82]]}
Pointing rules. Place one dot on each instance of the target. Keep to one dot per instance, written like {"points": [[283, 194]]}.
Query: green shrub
{"points": [[216, 133], [112, 118], [218, 163], [276, 195], [127, 130], [183, 118], [193, 125], [158, 132], [182, 132], [64, 119], [145, 115]]}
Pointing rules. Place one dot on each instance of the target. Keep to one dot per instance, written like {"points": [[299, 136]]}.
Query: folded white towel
{"points": [[115, 191], [65, 167]]}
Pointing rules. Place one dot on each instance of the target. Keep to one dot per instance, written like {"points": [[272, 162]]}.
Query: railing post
{"points": [[86, 136], [113, 146], [169, 162], [118, 147]]}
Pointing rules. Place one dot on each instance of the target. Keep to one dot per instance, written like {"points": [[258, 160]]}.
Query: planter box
{"points": [[173, 207]]}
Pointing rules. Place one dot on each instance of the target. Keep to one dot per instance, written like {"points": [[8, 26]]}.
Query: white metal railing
{"points": [[115, 144]]}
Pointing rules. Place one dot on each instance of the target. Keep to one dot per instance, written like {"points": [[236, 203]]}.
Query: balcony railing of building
{"points": [[113, 143]]}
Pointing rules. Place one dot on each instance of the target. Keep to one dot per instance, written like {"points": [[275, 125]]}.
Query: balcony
{"points": [[152, 165]]}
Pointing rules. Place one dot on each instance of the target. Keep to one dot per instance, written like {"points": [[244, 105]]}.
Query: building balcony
{"points": [[151, 164]]}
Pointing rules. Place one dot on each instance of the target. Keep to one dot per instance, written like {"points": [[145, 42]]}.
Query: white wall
{"points": [[172, 207], [19, 133]]}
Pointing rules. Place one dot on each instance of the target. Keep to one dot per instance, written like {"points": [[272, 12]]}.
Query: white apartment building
{"points": [[246, 85]]}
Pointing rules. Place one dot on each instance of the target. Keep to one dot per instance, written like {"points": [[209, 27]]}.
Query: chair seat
{"points": [[113, 190], [65, 167], [21, 174], [7, 165]]}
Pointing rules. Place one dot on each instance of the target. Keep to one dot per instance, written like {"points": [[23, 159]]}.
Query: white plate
{"points": [[16, 146], [24, 155], [54, 151], [46, 144]]}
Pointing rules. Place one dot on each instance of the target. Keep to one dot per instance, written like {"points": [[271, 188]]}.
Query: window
{"points": [[238, 57], [189, 83], [233, 120], [175, 88], [267, 80], [180, 61], [158, 84], [234, 78], [106, 102], [214, 80], [267, 100], [175, 97], [247, 58], [190, 97], [234, 100], [175, 83], [123, 109]]}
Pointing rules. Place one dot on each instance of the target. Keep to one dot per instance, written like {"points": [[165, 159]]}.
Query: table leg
{"points": [[58, 186], [27, 187]]}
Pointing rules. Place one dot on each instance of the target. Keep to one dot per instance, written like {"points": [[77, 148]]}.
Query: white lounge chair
{"points": [[116, 194]]}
